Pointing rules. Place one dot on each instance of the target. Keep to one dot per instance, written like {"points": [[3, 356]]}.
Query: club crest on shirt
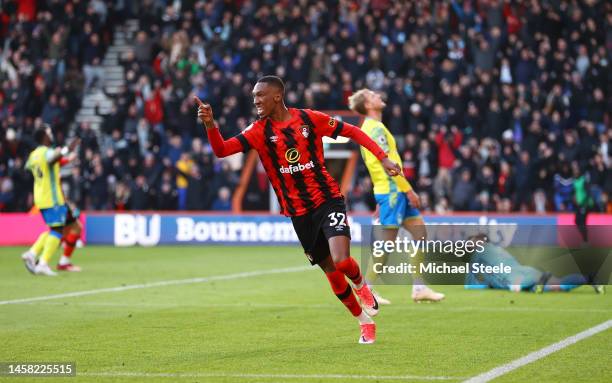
{"points": [[305, 130], [332, 122]]}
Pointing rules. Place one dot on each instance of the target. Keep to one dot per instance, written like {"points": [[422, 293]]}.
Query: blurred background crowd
{"points": [[496, 105]]}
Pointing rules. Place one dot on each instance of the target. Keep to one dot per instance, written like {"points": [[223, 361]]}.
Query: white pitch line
{"points": [[434, 307], [539, 354], [175, 282], [408, 307], [267, 376], [206, 305]]}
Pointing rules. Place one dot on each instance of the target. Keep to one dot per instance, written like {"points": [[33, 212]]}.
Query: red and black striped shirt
{"points": [[292, 153]]}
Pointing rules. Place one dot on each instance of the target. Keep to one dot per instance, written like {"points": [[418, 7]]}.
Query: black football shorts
{"points": [[316, 227]]}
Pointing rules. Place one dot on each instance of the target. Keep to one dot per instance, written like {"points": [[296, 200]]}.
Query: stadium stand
{"points": [[496, 105]]}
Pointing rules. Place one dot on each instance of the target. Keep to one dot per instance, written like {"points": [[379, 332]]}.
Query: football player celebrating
{"points": [[289, 144]]}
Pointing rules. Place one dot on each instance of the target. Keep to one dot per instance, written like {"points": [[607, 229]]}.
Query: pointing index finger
{"points": [[197, 99]]}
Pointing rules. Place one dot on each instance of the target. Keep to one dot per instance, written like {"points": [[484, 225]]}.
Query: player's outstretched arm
{"points": [[221, 147], [364, 140], [64, 154], [69, 154], [54, 155]]}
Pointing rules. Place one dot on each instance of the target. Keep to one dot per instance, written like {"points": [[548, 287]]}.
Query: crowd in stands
{"points": [[45, 50], [496, 105]]}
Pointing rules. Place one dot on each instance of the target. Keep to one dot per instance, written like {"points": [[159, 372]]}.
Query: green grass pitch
{"points": [[279, 327]]}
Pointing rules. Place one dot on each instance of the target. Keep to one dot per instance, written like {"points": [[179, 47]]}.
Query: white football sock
{"points": [[364, 318], [417, 287], [64, 260]]}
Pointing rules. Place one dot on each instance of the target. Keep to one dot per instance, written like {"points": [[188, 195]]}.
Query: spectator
{"points": [[143, 48], [486, 180], [222, 202], [563, 188], [6, 194], [92, 57], [463, 191], [98, 188], [184, 166], [140, 194], [167, 196], [523, 179], [121, 197], [483, 202], [197, 189]]}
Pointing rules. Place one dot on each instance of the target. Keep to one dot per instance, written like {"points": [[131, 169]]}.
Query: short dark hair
{"points": [[40, 134], [274, 81]]}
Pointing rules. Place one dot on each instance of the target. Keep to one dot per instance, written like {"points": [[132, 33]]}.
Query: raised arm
{"points": [[329, 126], [54, 155], [63, 155], [221, 147]]}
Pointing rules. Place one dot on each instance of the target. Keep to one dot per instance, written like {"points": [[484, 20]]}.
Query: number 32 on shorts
{"points": [[337, 219]]}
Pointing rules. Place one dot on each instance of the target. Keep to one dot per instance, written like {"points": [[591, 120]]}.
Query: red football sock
{"points": [[69, 243], [344, 292], [350, 268]]}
